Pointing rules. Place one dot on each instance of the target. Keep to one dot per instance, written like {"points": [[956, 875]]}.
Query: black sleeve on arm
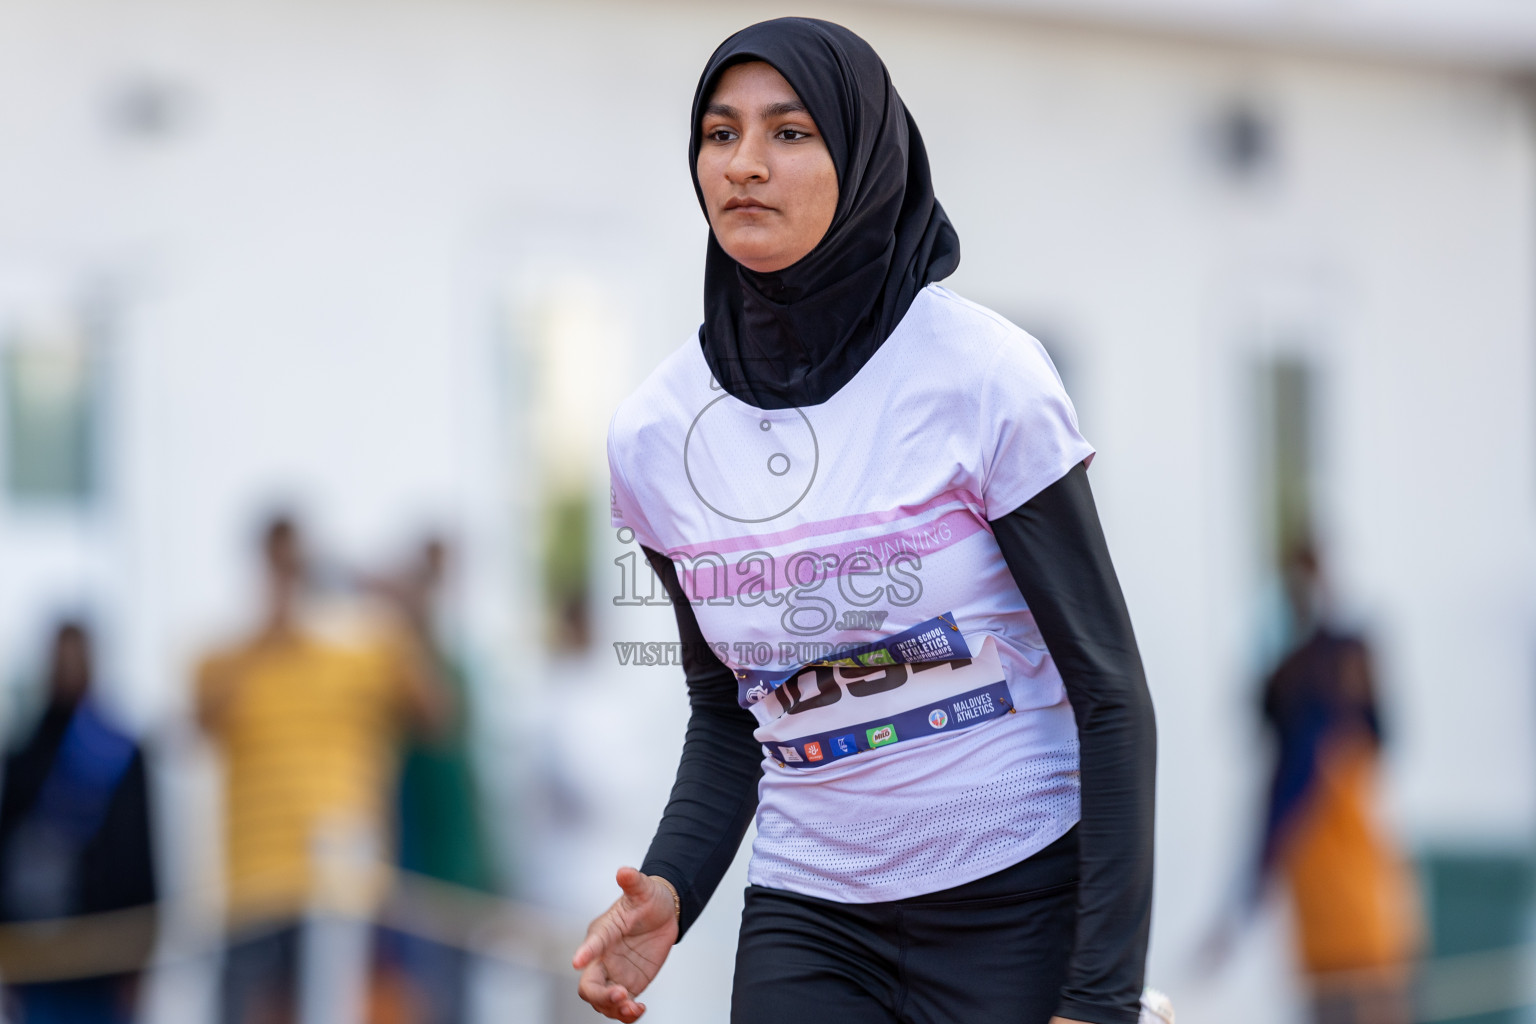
{"points": [[1054, 546], [715, 794]]}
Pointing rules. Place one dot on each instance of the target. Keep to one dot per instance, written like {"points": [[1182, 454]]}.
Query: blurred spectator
{"points": [[308, 727], [440, 827], [75, 840], [1353, 899]]}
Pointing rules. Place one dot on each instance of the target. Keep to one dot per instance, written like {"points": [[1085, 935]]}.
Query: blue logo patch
{"points": [[844, 745]]}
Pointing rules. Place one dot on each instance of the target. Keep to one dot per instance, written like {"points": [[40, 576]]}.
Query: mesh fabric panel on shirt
{"points": [[1021, 811]]}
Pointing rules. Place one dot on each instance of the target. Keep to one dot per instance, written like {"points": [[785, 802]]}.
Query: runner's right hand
{"points": [[626, 946]]}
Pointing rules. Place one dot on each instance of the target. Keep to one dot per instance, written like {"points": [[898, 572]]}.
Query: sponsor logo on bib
{"points": [[938, 718], [880, 735], [813, 751], [789, 754], [978, 706], [844, 745]]}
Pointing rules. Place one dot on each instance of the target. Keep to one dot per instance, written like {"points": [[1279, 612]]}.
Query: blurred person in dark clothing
{"points": [[1354, 906], [308, 725], [75, 840], [441, 834]]}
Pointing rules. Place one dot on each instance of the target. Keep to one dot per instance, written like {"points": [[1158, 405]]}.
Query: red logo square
{"points": [[813, 752]]}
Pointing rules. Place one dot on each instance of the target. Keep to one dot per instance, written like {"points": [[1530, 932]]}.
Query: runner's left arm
{"points": [[1055, 549]]}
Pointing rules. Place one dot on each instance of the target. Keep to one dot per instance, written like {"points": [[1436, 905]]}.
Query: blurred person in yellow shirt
{"points": [[308, 726]]}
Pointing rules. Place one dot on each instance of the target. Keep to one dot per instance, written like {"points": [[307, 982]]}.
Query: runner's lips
{"points": [[738, 203]]}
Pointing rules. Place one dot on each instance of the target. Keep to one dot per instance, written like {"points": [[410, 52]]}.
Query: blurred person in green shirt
{"points": [[441, 833], [308, 723]]}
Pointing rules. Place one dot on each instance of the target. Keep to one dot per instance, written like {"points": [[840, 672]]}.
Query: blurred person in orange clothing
{"points": [[309, 726], [1353, 898]]}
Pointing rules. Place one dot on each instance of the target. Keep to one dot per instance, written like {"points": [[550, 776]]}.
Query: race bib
{"points": [[827, 712], [935, 639]]}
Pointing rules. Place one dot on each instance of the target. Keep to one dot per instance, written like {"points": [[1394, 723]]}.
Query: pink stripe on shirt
{"points": [[703, 576], [823, 527]]}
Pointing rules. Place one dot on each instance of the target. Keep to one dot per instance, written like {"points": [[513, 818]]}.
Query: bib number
{"points": [[828, 712]]}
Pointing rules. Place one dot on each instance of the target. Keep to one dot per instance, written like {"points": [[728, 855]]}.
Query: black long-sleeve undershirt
{"points": [[715, 794], [1055, 549]]}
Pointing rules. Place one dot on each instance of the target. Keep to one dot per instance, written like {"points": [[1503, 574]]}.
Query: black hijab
{"points": [[796, 336]]}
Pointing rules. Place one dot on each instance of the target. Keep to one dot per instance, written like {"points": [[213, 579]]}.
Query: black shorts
{"points": [[987, 952]]}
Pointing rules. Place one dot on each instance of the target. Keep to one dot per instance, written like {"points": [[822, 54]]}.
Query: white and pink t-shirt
{"points": [[915, 729]]}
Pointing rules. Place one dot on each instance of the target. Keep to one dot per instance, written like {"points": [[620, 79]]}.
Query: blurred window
{"points": [[1284, 481], [565, 339], [1291, 396], [48, 386], [567, 528]]}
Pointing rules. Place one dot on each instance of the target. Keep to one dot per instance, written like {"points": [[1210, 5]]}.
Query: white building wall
{"points": [[319, 268]]}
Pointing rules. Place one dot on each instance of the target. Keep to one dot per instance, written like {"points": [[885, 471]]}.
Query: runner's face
{"points": [[768, 180]]}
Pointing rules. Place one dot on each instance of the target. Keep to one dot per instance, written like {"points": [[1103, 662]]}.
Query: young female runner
{"points": [[905, 646]]}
